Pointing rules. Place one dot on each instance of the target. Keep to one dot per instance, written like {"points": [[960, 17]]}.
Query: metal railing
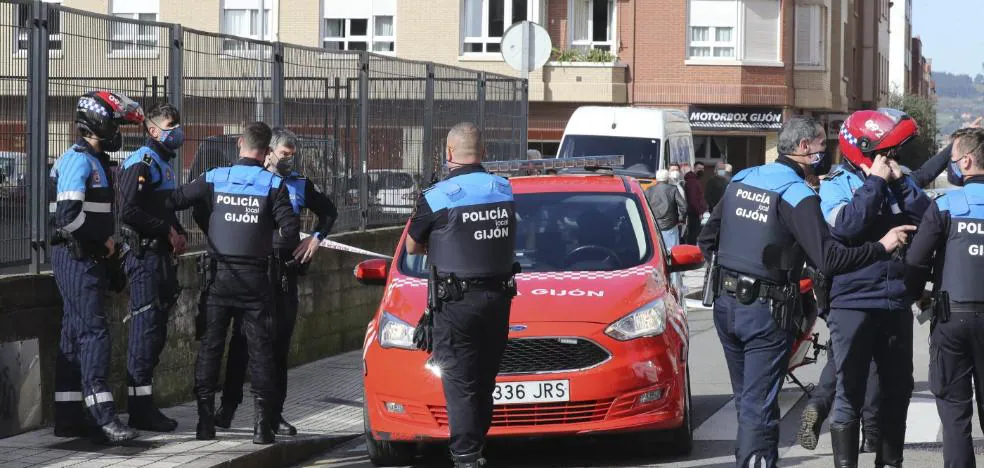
{"points": [[372, 127]]}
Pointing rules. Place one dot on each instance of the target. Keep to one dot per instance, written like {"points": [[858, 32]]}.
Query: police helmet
{"points": [[100, 113], [868, 132]]}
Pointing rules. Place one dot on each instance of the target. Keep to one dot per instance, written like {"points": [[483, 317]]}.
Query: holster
{"points": [[75, 247], [711, 281], [821, 288], [941, 307], [205, 266]]}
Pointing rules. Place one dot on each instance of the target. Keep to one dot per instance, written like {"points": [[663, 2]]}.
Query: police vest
{"points": [[242, 221], [78, 176], [753, 240], [478, 240], [295, 187], [964, 259], [161, 181]]}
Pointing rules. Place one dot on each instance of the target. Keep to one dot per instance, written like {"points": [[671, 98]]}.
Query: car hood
{"points": [[595, 296]]}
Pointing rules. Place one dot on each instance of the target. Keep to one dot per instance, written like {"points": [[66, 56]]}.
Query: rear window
{"points": [[637, 152], [571, 232]]}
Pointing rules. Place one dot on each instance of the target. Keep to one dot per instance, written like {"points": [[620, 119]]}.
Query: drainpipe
{"points": [[635, 47]]}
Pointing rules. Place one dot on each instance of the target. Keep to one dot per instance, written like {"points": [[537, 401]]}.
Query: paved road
{"points": [[715, 423]]}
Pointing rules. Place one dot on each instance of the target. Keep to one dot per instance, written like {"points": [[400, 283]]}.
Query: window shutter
{"points": [[761, 31], [804, 34], [344, 8]]}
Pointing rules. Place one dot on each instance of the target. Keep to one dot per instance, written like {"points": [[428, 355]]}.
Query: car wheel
{"points": [[683, 437], [383, 452]]}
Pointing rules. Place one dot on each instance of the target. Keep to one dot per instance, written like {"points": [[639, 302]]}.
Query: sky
{"points": [[951, 33]]}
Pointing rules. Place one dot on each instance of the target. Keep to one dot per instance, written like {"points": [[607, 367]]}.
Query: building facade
{"points": [[900, 37]]}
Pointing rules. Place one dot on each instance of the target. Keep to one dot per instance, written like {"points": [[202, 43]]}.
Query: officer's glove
{"points": [[423, 335]]}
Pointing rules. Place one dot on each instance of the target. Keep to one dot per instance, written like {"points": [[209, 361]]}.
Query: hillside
{"points": [[960, 100]]}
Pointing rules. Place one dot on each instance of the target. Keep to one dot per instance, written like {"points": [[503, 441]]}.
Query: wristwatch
{"points": [[318, 235]]}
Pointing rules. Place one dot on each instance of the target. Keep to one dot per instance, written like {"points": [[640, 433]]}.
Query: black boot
{"points": [[262, 422], [284, 428], [206, 418], [810, 422], [145, 416], [890, 445], [225, 415], [869, 443], [845, 442], [115, 433], [473, 460], [71, 421]]}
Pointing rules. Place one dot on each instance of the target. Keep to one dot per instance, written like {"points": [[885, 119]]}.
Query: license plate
{"points": [[540, 391]]}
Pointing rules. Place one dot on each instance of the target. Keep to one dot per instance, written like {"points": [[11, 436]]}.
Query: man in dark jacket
{"points": [[696, 206], [714, 189], [668, 207]]}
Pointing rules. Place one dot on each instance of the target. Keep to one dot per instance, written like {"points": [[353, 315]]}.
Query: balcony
{"points": [[585, 82]]}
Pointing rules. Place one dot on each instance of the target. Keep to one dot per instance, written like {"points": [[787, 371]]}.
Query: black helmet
{"points": [[101, 113]]}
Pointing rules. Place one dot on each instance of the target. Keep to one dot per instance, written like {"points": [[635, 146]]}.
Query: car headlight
{"points": [[648, 320], [395, 333]]}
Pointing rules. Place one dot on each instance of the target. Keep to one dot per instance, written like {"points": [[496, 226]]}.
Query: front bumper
{"points": [[405, 400]]}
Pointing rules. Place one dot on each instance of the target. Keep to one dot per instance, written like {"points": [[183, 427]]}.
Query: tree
{"points": [[923, 111]]}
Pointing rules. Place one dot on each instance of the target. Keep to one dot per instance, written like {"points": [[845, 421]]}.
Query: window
{"points": [[359, 25], [129, 37], [54, 27], [242, 18], [592, 24], [484, 22], [716, 31], [811, 48]]}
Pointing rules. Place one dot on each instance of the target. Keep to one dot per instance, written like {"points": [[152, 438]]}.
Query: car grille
{"points": [[532, 355], [538, 414]]}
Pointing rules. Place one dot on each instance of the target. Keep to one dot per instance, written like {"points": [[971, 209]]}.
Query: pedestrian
{"points": [[870, 317], [675, 179], [949, 243], [471, 329], [155, 238], [247, 203], [293, 256], [764, 229], [714, 189], [82, 243], [668, 207], [696, 205]]}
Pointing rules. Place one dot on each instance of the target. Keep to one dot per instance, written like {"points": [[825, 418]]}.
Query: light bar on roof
{"points": [[537, 166]]}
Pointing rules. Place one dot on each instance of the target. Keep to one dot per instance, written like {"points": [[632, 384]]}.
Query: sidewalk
{"points": [[324, 403]]}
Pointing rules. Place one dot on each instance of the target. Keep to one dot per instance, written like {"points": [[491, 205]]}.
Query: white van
{"points": [[648, 138]]}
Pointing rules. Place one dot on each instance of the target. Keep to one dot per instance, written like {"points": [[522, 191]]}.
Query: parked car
{"points": [[391, 191]]}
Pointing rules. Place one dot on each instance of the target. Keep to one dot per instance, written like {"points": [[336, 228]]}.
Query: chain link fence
{"points": [[372, 127]]}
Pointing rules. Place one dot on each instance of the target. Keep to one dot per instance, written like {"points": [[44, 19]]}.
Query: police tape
{"points": [[346, 248]]}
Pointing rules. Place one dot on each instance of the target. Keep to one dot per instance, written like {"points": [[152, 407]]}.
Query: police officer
{"points": [[950, 242], [246, 203], [870, 316], [767, 224], [83, 224], [154, 236], [466, 226], [293, 257]]}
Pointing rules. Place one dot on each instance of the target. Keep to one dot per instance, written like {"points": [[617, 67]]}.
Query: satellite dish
{"points": [[526, 46]]}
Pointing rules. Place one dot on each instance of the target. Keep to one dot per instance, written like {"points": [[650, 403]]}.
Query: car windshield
{"points": [[392, 180], [571, 232], [637, 152]]}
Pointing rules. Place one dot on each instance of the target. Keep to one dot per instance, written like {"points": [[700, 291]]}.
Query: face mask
{"points": [[674, 174], [722, 172], [954, 175], [700, 173], [172, 139], [285, 166], [112, 144]]}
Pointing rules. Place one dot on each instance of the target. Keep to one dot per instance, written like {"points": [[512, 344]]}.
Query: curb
{"points": [[289, 452]]}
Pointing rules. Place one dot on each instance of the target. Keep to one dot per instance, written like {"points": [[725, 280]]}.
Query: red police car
{"points": [[598, 335]]}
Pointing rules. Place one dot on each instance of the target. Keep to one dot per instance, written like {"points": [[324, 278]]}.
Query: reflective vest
{"points": [[161, 181], [79, 179], [479, 239], [753, 239], [964, 259]]}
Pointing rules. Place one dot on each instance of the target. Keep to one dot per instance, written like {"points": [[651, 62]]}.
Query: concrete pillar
{"points": [[771, 147]]}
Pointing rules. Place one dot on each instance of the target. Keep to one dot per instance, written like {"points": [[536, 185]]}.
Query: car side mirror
{"points": [[685, 258], [372, 272]]}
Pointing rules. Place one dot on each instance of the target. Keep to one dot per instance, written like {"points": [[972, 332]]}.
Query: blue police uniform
{"points": [[146, 182], [303, 194], [870, 317], [246, 204], [764, 229], [82, 221], [468, 223], [950, 242]]}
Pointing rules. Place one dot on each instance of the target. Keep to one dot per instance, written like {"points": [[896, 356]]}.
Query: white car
{"points": [[391, 191]]}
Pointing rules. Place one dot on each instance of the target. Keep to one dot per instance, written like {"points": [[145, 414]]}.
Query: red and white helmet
{"points": [[867, 132]]}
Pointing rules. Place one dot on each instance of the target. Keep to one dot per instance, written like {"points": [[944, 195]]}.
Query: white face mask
{"points": [[674, 174]]}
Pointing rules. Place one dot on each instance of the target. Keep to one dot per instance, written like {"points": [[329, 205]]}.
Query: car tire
{"points": [[682, 438], [383, 452]]}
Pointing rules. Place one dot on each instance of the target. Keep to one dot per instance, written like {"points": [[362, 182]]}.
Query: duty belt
{"points": [[966, 307], [766, 290]]}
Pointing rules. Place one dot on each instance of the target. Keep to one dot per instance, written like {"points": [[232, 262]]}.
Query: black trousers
{"points": [[956, 374], [153, 287], [826, 389], [469, 338], [284, 319], [255, 312]]}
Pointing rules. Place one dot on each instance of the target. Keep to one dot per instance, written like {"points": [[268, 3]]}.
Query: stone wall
{"points": [[333, 313]]}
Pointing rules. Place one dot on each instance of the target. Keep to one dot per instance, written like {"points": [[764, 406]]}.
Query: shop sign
{"points": [[735, 118]]}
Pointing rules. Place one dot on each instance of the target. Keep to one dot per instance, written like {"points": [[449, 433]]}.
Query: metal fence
{"points": [[372, 127]]}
